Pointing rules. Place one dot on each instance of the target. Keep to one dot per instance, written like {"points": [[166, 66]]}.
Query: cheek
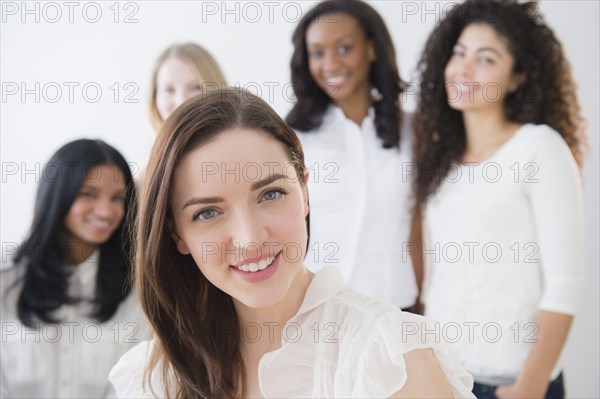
{"points": [[448, 72], [289, 225], [313, 69], [163, 104], [119, 212], [78, 209]]}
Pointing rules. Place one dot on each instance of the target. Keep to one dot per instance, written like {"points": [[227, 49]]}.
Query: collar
{"points": [[84, 275], [338, 115], [326, 283]]}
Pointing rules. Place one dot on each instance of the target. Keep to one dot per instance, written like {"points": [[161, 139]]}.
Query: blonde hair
{"points": [[199, 59]]}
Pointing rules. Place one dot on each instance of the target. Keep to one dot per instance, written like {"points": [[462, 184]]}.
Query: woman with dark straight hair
{"points": [[221, 240], [67, 295], [357, 144], [499, 146]]}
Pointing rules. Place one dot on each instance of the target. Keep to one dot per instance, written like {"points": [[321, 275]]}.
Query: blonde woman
{"points": [[181, 72]]}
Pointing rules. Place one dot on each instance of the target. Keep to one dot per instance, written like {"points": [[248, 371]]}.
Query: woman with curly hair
{"points": [[357, 144], [498, 142]]}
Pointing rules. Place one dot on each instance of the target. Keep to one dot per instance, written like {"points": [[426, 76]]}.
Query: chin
{"points": [[264, 300]]}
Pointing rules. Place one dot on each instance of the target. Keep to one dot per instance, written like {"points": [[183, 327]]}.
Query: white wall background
{"points": [[57, 44]]}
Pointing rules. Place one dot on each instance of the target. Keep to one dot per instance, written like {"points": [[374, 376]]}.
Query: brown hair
{"points": [[203, 64], [196, 326], [548, 95]]}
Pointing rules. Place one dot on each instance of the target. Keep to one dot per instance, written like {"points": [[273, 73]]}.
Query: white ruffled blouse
{"points": [[339, 344]]}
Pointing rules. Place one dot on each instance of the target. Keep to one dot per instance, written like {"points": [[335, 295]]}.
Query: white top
{"points": [[70, 359], [340, 344], [360, 206], [504, 240]]}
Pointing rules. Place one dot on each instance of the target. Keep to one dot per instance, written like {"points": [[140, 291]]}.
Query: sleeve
{"points": [[127, 376], [557, 204], [381, 370]]}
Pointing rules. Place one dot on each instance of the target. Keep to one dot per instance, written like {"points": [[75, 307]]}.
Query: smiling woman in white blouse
{"points": [[67, 310], [357, 143], [498, 150], [220, 273]]}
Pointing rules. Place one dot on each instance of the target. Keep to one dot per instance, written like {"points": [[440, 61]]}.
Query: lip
{"points": [[261, 275]]}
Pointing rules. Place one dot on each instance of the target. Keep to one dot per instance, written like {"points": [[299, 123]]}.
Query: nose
{"points": [[104, 208], [180, 98], [248, 235], [331, 61], [465, 68]]}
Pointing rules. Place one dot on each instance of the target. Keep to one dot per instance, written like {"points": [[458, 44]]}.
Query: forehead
{"points": [[175, 67], [236, 155], [331, 27], [99, 176], [482, 35]]}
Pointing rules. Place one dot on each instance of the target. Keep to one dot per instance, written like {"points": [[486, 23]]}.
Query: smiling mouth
{"points": [[335, 80], [99, 224], [257, 266]]}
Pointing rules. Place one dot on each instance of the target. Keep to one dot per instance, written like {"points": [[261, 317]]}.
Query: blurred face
{"points": [[98, 208], [239, 210], [340, 56], [176, 82], [479, 72]]}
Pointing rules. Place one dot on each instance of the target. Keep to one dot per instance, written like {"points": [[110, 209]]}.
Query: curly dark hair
{"points": [[312, 102], [548, 95]]}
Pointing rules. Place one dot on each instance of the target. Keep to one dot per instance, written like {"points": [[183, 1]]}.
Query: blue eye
{"points": [[273, 195], [205, 214]]}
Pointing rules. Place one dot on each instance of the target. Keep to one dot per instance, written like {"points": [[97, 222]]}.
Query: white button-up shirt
{"points": [[69, 359], [360, 206]]}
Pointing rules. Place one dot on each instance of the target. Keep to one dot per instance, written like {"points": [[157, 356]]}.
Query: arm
{"points": [[557, 205], [425, 378], [416, 241], [534, 378]]}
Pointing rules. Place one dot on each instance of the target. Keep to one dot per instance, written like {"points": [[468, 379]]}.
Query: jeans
{"points": [[556, 390]]}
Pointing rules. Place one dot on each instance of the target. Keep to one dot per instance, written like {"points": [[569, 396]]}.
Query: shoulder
{"points": [[375, 340], [542, 139], [127, 376], [11, 283]]}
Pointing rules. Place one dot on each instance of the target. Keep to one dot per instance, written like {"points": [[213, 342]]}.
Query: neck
{"points": [[357, 107], [76, 252], [485, 131], [270, 321]]}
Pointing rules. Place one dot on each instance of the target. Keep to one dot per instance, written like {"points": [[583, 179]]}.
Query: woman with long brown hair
{"points": [[221, 241]]}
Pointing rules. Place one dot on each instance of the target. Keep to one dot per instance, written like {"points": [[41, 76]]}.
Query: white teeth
{"points": [[100, 223], [260, 265], [335, 79]]}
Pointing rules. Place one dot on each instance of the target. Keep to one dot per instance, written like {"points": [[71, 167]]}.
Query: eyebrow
{"points": [[337, 40], [482, 49], [255, 186], [96, 189]]}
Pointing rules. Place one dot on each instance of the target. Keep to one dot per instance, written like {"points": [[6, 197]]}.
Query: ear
{"points": [[371, 51], [305, 193], [517, 81], [181, 245]]}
